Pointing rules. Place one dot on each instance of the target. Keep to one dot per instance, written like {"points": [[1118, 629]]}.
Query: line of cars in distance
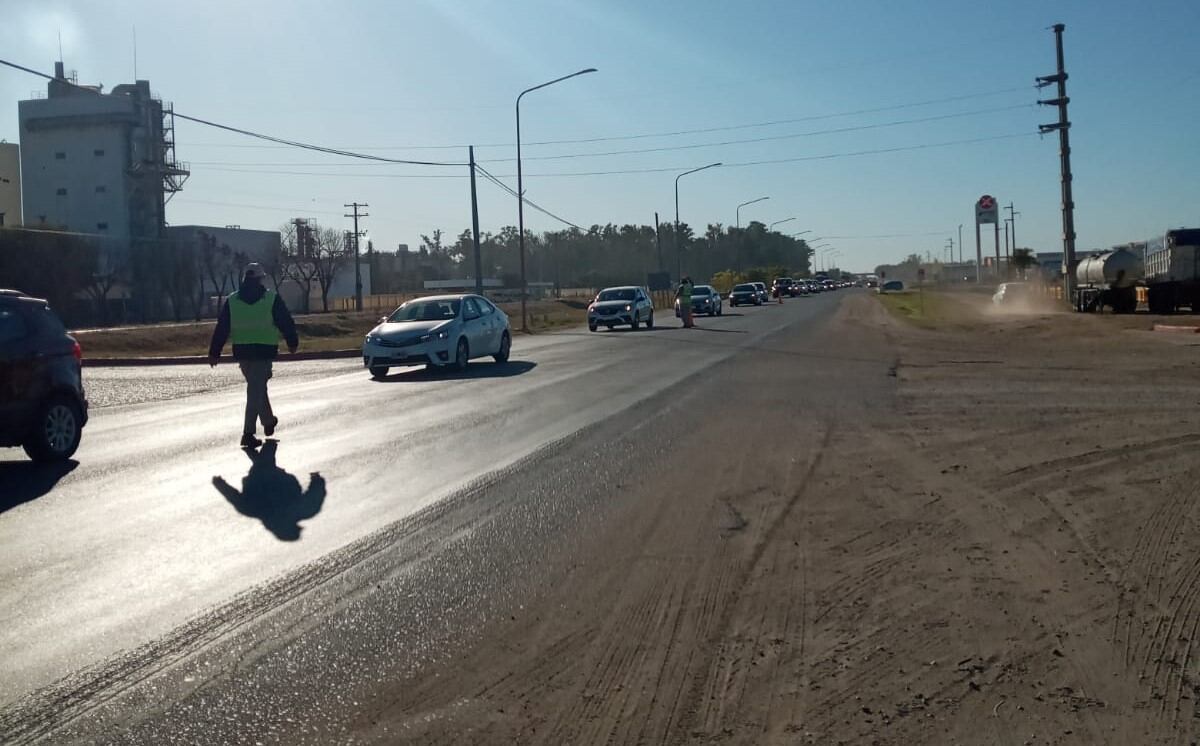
{"points": [[632, 306]]}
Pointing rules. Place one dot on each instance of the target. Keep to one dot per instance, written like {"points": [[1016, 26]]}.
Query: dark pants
{"points": [[258, 404]]}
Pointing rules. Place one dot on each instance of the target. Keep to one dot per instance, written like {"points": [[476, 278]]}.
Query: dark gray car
{"points": [[42, 404]]}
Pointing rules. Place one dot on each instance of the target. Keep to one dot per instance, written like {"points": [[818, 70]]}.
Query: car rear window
{"points": [[46, 323], [12, 326]]}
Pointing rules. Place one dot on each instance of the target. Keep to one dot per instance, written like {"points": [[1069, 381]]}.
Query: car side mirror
{"points": [[383, 319]]}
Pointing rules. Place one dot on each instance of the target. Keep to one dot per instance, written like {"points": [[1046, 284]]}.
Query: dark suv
{"points": [[42, 405], [784, 286]]}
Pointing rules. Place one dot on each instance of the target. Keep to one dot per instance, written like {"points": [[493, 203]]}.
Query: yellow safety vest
{"points": [[253, 323]]}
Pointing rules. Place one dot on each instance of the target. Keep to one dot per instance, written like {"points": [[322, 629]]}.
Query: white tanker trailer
{"points": [[1108, 279]]}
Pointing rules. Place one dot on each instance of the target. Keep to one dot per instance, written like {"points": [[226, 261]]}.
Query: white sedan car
{"points": [[439, 331]]}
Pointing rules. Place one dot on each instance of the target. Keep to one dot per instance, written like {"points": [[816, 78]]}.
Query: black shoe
{"points": [[249, 441], [269, 427]]}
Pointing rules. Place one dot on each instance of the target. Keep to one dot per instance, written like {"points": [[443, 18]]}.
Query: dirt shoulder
{"points": [[981, 533]]}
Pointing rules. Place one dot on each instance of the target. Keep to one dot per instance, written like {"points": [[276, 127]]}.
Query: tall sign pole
{"points": [[1062, 126], [987, 210]]}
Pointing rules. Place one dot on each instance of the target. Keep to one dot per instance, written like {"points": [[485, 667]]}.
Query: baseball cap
{"points": [[255, 270]]}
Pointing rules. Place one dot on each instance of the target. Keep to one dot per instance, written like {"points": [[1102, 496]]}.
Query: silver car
{"points": [[705, 301], [619, 306], [439, 331], [763, 294]]}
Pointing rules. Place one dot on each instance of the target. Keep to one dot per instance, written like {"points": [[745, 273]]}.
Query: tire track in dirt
{"points": [[1104, 458], [1146, 555], [705, 705]]}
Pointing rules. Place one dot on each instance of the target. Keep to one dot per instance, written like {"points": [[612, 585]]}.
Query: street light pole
{"points": [[777, 222], [521, 193], [960, 259], [678, 256], [738, 212], [737, 246]]}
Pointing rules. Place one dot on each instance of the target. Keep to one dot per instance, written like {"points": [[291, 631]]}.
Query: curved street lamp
{"points": [[738, 212], [521, 191], [678, 256], [777, 222]]}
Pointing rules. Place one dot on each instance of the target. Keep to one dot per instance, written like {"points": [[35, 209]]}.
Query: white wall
{"points": [[90, 131]]}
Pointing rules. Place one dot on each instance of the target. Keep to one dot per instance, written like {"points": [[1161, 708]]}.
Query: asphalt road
{"points": [[165, 538]]}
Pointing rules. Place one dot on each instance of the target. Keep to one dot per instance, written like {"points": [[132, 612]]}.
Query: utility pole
{"points": [[960, 257], [950, 249], [1062, 126], [996, 226], [358, 295], [475, 225], [1007, 254], [978, 256], [1012, 219]]}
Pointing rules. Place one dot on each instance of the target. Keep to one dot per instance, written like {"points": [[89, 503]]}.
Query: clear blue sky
{"points": [[383, 76]]}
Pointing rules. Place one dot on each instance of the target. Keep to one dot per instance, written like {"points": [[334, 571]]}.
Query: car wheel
{"points": [[462, 356], [57, 431], [650, 321], [505, 349], [636, 323], [591, 327], [379, 372]]}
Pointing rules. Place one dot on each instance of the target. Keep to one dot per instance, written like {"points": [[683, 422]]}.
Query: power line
{"points": [[316, 148], [665, 169], [293, 210], [668, 148], [676, 133], [248, 133], [893, 235], [496, 180]]}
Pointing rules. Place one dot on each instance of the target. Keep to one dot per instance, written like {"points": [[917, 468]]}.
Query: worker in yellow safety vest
{"points": [[254, 318]]}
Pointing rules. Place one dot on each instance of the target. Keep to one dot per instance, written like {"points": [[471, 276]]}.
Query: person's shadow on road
{"points": [[274, 496]]}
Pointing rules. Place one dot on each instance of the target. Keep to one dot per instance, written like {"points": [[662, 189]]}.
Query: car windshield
{"points": [[702, 290], [617, 294], [744, 289], [426, 310]]}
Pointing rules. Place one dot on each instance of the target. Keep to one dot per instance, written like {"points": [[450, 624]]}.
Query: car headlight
{"points": [[431, 337], [628, 307], [371, 339]]}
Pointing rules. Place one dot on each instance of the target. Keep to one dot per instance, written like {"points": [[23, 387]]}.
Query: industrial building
{"points": [[10, 184], [96, 162]]}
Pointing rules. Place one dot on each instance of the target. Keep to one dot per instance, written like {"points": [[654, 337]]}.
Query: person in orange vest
{"points": [[254, 318]]}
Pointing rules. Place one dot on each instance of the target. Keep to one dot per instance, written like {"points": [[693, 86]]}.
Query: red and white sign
{"points": [[987, 210]]}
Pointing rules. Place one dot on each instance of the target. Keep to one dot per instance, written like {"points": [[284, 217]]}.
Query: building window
{"points": [[101, 226], [60, 156], [62, 192], [97, 152], [101, 189]]}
